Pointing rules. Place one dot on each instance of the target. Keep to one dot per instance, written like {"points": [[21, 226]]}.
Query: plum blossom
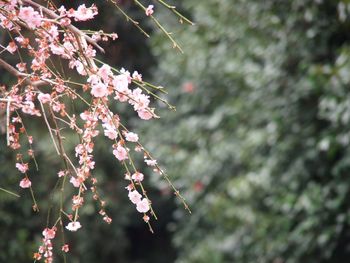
{"points": [[143, 206], [137, 76], [151, 162], [120, 153], [83, 13], [31, 17], [144, 114], [61, 173], [134, 196], [149, 10], [49, 233], [138, 177], [73, 226], [22, 167], [65, 248], [74, 181], [104, 72], [99, 90], [12, 47], [111, 133], [44, 97], [21, 66], [80, 68], [131, 137], [25, 183]]}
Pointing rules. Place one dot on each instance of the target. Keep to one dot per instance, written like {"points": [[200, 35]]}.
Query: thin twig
{"points": [[9, 192], [49, 128], [8, 122]]}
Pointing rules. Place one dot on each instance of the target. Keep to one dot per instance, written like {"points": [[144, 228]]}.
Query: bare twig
{"points": [[49, 128]]}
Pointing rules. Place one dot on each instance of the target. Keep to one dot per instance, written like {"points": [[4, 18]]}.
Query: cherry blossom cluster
{"points": [[41, 90]]}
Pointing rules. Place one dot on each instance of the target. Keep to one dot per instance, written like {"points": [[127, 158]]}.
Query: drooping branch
{"points": [[18, 74]]}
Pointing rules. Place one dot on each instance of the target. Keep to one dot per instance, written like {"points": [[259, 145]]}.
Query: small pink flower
{"points": [[25, 183], [151, 162], [99, 90], [31, 17], [107, 219], [61, 173], [74, 181], [83, 13], [114, 36], [22, 167], [104, 72], [21, 66], [120, 153], [65, 248], [149, 10], [11, 47], [73, 226], [145, 218], [131, 137], [137, 76], [44, 97], [134, 197], [138, 176], [142, 206], [49, 233], [145, 114]]}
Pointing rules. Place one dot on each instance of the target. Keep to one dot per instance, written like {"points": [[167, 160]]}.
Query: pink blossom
{"points": [[21, 66], [65, 248], [144, 114], [150, 162], [134, 196], [44, 97], [138, 177], [143, 206], [49, 233], [121, 82], [114, 36], [149, 10], [137, 76], [145, 218], [111, 134], [131, 137], [57, 50], [12, 47], [80, 68], [104, 72], [140, 101], [31, 17], [120, 153], [61, 173], [22, 167], [83, 13], [25, 183], [74, 181], [73, 226], [99, 90]]}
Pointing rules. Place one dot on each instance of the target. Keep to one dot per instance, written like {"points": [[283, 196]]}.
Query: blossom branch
{"points": [[70, 27]]}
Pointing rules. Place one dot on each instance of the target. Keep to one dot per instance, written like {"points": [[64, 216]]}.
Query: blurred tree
{"points": [[261, 131]]}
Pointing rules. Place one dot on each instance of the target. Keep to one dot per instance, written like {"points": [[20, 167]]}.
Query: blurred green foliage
{"points": [[260, 140]]}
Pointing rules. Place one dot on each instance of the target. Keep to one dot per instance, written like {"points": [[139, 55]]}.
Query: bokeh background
{"points": [[259, 144]]}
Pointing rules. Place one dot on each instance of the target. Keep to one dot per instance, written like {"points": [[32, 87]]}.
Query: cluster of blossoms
{"points": [[43, 91]]}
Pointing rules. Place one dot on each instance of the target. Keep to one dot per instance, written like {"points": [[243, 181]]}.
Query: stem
{"points": [[9, 192]]}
